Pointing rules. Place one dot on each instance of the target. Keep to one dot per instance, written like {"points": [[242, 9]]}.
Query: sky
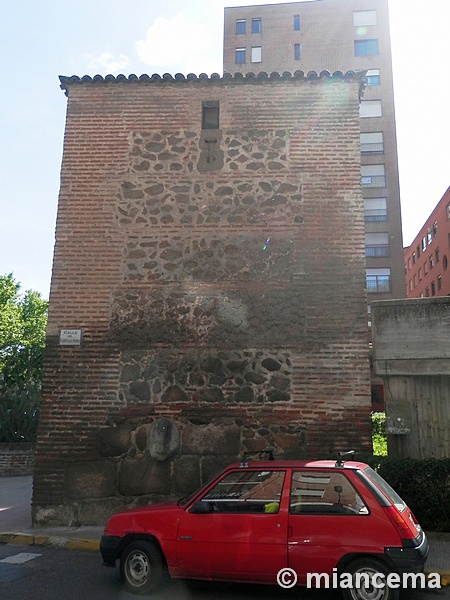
{"points": [[40, 40]]}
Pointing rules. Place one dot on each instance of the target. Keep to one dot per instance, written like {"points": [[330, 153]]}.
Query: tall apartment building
{"points": [[338, 35], [427, 271]]}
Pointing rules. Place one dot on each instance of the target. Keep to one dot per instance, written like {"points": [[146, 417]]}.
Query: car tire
{"points": [[370, 567], [141, 567]]}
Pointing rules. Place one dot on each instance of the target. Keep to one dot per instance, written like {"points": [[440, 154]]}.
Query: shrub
{"points": [[423, 484], [19, 412]]}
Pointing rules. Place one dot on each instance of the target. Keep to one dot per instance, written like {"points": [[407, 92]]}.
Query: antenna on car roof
{"points": [[245, 456], [341, 455]]}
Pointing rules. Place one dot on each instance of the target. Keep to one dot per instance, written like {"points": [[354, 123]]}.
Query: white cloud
{"points": [[106, 63], [179, 44]]}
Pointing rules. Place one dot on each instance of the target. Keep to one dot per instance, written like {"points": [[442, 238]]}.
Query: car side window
{"points": [[247, 491], [324, 493]]}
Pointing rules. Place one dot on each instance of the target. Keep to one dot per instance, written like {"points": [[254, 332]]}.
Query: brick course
{"points": [[222, 305]]}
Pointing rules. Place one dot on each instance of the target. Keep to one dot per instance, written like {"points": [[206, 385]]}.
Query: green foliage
{"points": [[423, 484], [379, 436], [23, 321], [19, 412]]}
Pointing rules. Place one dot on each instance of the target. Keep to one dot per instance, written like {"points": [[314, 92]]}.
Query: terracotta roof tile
{"points": [[249, 78]]}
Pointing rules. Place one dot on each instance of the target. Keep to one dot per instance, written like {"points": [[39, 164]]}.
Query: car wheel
{"points": [[141, 567], [362, 571]]}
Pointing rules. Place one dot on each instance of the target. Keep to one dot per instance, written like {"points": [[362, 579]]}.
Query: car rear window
{"points": [[324, 493], [385, 488]]}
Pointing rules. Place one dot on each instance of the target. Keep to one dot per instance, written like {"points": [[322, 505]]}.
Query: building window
{"points": [[241, 26], [415, 280], [377, 244], [296, 51], [373, 77], [373, 176], [256, 54], [448, 211], [429, 237], [366, 47], [378, 280], [418, 251], [240, 56], [296, 22], [420, 274], [370, 108], [210, 115], [363, 18], [372, 142], [257, 25], [435, 228], [425, 268], [427, 292], [409, 264], [431, 263], [439, 282], [437, 255], [375, 209], [433, 288], [410, 285], [424, 243], [444, 262], [414, 258]]}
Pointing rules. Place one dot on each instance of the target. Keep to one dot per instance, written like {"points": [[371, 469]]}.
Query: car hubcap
{"points": [[363, 588], [137, 568]]}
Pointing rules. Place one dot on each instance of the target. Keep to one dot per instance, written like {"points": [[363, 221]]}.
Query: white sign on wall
{"points": [[70, 337]]}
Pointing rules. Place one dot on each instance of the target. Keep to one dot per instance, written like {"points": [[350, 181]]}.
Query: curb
{"points": [[27, 539], [444, 575]]}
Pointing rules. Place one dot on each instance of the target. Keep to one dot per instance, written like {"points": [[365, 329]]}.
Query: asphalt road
{"points": [[48, 573]]}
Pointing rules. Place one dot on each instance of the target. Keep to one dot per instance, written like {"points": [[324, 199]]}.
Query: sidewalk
{"points": [[16, 528]]}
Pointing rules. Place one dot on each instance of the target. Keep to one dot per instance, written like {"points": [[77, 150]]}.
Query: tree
{"points": [[23, 321]]}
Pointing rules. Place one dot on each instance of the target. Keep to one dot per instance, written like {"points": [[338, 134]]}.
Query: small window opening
{"points": [[210, 115]]}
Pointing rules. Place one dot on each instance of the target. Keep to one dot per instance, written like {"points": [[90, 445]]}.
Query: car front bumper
{"points": [[109, 549]]}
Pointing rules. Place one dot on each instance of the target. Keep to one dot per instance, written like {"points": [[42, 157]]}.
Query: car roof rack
{"points": [[261, 454], [341, 455]]}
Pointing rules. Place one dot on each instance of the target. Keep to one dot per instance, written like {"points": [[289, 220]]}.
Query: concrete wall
{"points": [[411, 341], [218, 279]]}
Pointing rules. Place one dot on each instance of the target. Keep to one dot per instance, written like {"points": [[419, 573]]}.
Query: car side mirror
{"points": [[202, 507]]}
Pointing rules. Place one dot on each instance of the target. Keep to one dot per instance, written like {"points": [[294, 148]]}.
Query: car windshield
{"points": [[186, 499], [385, 488]]}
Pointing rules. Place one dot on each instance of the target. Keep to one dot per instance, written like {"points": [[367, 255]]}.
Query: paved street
{"points": [[48, 573]]}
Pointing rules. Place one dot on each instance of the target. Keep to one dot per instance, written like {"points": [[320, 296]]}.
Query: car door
{"points": [[244, 536], [328, 518]]}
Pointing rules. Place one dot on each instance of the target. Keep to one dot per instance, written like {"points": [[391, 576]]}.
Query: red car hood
{"points": [[157, 519]]}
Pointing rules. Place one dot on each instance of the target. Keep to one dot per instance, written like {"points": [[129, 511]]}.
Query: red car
{"points": [[255, 520]]}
